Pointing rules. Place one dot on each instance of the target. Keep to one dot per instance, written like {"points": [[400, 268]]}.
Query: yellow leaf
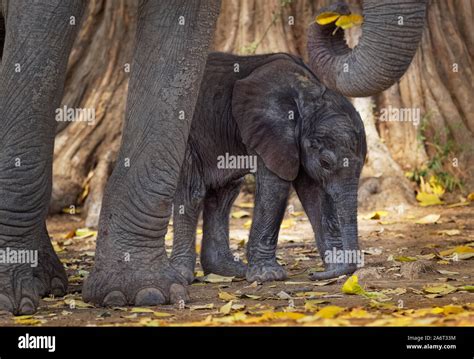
{"points": [[226, 308], [441, 289], [327, 17], [470, 197], [313, 305], [297, 214], [141, 310], [85, 232], [27, 320], [429, 219], [329, 311], [226, 296], [461, 252], [436, 187], [452, 309], [428, 199], [375, 215], [348, 21], [162, 314], [358, 313], [405, 259], [282, 315], [240, 214], [245, 205], [287, 223], [215, 278], [57, 247], [352, 286], [248, 224]]}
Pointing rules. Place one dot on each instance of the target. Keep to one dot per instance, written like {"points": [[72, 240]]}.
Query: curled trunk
{"points": [[390, 35]]}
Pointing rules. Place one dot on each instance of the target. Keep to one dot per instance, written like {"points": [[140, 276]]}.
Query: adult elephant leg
{"points": [[271, 196], [131, 265], [216, 256], [39, 37]]}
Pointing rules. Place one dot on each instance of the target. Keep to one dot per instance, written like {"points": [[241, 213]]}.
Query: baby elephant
{"points": [[270, 115]]}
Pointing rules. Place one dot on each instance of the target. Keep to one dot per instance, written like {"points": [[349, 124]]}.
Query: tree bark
{"points": [[97, 78]]}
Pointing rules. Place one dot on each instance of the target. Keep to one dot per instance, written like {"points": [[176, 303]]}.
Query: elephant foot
{"points": [[185, 266], [334, 272], [49, 276], [111, 287], [225, 265], [18, 293], [265, 271]]}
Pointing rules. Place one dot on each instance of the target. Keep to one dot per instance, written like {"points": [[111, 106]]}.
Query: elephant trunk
{"points": [[390, 35]]}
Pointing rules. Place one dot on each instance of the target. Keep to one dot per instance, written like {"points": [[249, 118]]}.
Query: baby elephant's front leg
{"points": [[216, 256], [270, 202]]}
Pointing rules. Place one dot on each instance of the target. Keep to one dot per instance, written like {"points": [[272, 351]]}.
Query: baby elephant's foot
{"points": [[121, 287], [225, 265], [334, 271], [265, 271], [185, 266]]}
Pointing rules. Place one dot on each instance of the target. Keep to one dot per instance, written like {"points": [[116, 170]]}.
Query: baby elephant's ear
{"points": [[266, 116]]}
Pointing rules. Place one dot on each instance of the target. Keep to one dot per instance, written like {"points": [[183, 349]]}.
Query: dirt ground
{"points": [[415, 274]]}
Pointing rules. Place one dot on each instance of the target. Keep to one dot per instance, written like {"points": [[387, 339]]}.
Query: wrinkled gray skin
{"points": [[302, 133], [131, 264]]}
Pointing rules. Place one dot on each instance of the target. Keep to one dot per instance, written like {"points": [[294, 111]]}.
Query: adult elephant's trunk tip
{"points": [[391, 32]]}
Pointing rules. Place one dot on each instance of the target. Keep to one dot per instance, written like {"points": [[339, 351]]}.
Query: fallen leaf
{"points": [[439, 289], [375, 215], [352, 286], [227, 296], [226, 308], [27, 320], [287, 223], [429, 219], [329, 311], [202, 307], [459, 252], [215, 278], [449, 232], [141, 310], [283, 295], [162, 314], [240, 214], [447, 272], [405, 259]]}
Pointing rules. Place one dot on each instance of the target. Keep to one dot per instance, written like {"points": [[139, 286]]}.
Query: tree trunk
{"points": [[98, 78]]}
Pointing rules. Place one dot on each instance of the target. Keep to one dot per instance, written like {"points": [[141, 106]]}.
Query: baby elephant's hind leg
{"points": [[216, 256]]}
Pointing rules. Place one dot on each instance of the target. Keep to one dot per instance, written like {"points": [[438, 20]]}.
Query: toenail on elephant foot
{"points": [[136, 288], [265, 272]]}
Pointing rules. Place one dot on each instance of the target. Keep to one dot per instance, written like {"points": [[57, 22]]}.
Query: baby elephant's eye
{"points": [[325, 164], [327, 160]]}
